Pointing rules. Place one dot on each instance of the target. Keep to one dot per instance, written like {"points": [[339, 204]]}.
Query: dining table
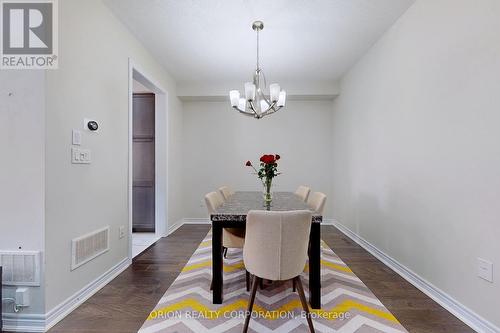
{"points": [[233, 214]]}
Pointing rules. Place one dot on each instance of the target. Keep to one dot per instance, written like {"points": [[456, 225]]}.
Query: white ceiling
{"points": [[303, 40]]}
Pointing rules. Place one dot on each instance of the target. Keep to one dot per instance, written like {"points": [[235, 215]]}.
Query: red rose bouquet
{"points": [[267, 171]]}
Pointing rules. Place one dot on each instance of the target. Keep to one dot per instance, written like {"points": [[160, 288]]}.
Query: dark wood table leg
{"points": [[217, 262], [315, 266]]}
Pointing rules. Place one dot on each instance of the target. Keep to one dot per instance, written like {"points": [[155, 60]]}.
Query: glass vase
{"points": [[268, 197]]}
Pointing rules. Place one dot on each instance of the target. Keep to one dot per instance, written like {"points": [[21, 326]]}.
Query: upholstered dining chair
{"points": [[303, 192], [232, 238], [317, 201], [226, 192], [276, 249], [214, 200]]}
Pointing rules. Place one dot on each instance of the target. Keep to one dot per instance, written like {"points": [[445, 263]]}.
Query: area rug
{"points": [[347, 304]]}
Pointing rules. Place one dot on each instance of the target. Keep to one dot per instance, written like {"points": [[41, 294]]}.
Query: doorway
{"points": [[147, 161], [143, 168]]}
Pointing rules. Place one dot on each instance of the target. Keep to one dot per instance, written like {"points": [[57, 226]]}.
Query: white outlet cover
{"points": [[485, 269]]}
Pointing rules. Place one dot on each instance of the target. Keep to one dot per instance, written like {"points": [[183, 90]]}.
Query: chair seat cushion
{"points": [[233, 237]]}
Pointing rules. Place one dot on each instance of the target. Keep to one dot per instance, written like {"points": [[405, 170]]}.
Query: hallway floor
{"points": [[141, 241]]}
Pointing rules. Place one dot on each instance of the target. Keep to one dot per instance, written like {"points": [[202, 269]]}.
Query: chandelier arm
{"points": [[270, 109], [250, 114], [276, 109], [252, 106], [240, 110]]}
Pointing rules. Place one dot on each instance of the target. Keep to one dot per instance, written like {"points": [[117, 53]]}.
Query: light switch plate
{"points": [[485, 269], [122, 231], [80, 156], [76, 137]]}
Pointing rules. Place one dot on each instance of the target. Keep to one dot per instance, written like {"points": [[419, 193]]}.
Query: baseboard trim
{"points": [[66, 307], [175, 226], [328, 222], [42, 323], [469, 317], [196, 220], [23, 322]]}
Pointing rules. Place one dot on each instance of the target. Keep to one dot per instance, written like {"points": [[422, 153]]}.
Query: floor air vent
{"points": [[20, 268], [88, 247]]}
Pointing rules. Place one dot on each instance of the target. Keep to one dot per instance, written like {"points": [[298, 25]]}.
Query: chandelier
{"points": [[256, 104]]}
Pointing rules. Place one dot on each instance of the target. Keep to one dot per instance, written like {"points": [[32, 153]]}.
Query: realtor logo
{"points": [[29, 34]]}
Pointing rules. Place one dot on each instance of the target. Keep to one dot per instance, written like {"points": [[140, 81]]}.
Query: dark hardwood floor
{"points": [[123, 305], [414, 310]]}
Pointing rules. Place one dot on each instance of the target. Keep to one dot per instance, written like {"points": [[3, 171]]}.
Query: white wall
{"points": [[92, 81], [416, 153], [22, 133], [217, 141]]}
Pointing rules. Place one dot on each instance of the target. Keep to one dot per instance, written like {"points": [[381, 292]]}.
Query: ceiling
{"points": [[212, 40]]}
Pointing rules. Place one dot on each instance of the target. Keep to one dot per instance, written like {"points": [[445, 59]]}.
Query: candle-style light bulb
{"points": [[249, 91], [242, 104], [282, 99], [234, 96], [274, 90]]}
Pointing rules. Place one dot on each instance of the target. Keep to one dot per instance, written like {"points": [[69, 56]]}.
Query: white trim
{"points": [[130, 158], [175, 226], [66, 307], [196, 220], [328, 222], [42, 323], [23, 322], [161, 149], [459, 310]]}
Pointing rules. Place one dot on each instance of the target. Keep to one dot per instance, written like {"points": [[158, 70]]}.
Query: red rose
{"points": [[267, 159], [277, 157], [248, 163]]}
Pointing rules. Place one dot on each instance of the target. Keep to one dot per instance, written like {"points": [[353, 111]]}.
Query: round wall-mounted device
{"points": [[92, 125]]}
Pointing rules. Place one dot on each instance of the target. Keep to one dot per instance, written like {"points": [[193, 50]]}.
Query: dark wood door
{"points": [[143, 168]]}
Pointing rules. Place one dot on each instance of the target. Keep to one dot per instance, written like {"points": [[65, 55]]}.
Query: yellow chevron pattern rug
{"points": [[347, 304]]}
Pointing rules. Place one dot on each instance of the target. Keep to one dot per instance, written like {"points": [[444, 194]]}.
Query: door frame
{"points": [[135, 72]]}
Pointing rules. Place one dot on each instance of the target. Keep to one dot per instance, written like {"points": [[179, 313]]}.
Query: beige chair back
{"points": [[226, 192], [303, 192], [317, 202], [213, 200], [276, 243], [231, 238]]}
